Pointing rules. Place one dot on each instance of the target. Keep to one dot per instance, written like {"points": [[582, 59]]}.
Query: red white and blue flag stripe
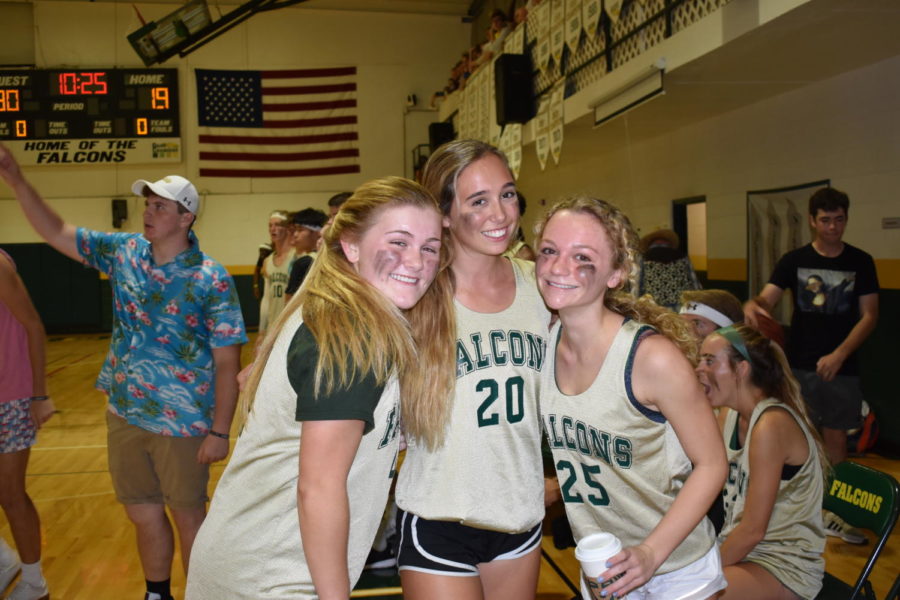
{"points": [[286, 123]]}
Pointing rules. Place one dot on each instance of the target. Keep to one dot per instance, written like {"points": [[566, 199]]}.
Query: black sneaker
{"points": [[381, 559]]}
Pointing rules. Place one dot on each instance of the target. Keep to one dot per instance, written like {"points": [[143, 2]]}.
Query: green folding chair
{"points": [[868, 499]]}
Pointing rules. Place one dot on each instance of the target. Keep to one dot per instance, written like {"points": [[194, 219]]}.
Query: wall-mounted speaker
{"points": [[514, 89], [439, 134], [119, 212]]}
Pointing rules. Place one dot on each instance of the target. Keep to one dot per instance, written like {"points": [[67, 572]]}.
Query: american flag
{"points": [[295, 123]]}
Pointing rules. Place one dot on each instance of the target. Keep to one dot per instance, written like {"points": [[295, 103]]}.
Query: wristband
{"points": [[39, 398], [223, 436]]}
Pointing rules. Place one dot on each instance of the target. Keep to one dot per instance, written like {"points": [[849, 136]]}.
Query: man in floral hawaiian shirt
{"points": [[170, 374]]}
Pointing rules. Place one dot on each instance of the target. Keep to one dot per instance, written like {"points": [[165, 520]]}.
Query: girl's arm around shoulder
{"points": [[663, 380], [775, 439], [327, 450]]}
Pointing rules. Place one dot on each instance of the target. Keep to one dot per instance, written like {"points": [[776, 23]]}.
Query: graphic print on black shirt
{"points": [[825, 291]]}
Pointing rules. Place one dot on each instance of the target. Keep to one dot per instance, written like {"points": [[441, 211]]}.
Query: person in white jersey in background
{"points": [[469, 525], [276, 270], [773, 538], [634, 440]]}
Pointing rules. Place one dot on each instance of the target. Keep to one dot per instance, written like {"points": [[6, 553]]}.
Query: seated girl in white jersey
{"points": [[634, 441], [470, 510], [773, 537], [298, 505]]}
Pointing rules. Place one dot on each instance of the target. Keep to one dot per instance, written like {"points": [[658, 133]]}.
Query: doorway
{"points": [[689, 222]]}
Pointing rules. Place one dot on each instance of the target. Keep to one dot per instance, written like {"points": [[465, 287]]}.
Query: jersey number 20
{"points": [[515, 401]]}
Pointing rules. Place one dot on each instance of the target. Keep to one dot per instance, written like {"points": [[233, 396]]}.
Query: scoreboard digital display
{"points": [[103, 113]]}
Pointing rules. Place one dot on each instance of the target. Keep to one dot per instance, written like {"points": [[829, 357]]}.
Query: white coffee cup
{"points": [[592, 553]]}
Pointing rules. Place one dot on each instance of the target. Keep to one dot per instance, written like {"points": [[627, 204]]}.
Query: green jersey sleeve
{"points": [[356, 401]]}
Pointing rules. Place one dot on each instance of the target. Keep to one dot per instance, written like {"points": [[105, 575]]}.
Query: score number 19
{"points": [[159, 100]]}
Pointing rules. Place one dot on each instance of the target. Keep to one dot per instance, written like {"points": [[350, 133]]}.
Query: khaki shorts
{"points": [[148, 468]]}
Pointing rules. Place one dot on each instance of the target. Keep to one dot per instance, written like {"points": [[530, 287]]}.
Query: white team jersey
{"points": [[488, 474], [620, 464], [249, 546], [276, 281], [792, 546]]}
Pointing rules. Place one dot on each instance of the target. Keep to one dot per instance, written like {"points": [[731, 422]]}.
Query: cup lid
{"points": [[597, 546]]}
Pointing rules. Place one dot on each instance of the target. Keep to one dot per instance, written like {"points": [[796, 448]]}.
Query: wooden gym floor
{"points": [[89, 547]]}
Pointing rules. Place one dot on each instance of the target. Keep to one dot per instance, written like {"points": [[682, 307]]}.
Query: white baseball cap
{"points": [[171, 187]]}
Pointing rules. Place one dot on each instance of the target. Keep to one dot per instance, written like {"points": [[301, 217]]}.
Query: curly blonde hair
{"points": [[624, 244]]}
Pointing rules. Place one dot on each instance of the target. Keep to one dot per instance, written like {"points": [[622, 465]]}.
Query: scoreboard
{"points": [[77, 116]]}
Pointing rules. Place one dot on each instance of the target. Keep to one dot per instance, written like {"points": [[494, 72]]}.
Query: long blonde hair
{"points": [[353, 323], [772, 375], [624, 245]]}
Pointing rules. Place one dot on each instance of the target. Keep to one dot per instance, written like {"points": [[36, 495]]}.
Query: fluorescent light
{"points": [[647, 85]]}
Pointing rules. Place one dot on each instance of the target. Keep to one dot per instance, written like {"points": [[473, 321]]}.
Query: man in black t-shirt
{"points": [[835, 294]]}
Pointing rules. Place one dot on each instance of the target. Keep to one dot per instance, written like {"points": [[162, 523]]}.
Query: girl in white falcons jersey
{"points": [[773, 537], [298, 505], [471, 509], [634, 442]]}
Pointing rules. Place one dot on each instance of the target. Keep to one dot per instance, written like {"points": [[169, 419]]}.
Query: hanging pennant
{"points": [[541, 18], [613, 8], [557, 30], [511, 145], [542, 134], [556, 121], [515, 42], [515, 161], [505, 137], [590, 16], [573, 24], [471, 107], [462, 117], [494, 128], [486, 100], [476, 105], [516, 133]]}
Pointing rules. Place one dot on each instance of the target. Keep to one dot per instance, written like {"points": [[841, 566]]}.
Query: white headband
{"points": [[703, 310]]}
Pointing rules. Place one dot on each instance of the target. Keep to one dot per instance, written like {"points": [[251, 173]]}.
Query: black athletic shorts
{"points": [[454, 549]]}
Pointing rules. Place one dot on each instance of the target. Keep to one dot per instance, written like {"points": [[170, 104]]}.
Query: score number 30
{"points": [[9, 101]]}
